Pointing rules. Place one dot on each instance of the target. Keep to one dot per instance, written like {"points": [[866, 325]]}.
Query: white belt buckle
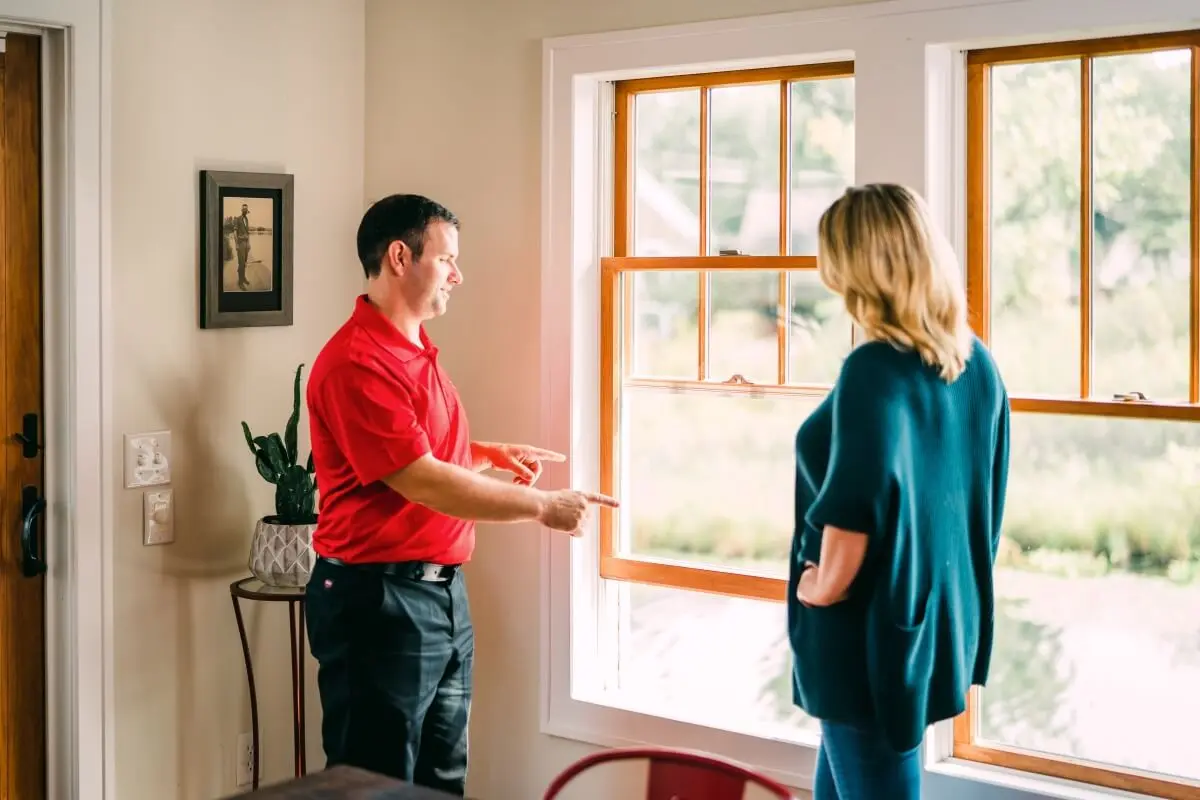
{"points": [[431, 572]]}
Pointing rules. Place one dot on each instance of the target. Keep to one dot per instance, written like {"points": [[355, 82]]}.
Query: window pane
{"points": [[707, 477], [1141, 259], [666, 174], [1034, 171], [710, 660], [1097, 652], [822, 154], [665, 309], [744, 326], [820, 335], [743, 169]]}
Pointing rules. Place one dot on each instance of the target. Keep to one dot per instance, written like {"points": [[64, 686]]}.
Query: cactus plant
{"points": [[277, 462]]}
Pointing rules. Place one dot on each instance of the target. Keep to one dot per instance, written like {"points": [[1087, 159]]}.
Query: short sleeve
{"points": [[867, 437], [373, 421]]}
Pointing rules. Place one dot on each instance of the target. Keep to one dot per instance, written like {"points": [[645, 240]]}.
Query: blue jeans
{"points": [[854, 764]]}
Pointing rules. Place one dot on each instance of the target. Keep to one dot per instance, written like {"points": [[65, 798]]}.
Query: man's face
{"points": [[245, 210], [427, 282]]}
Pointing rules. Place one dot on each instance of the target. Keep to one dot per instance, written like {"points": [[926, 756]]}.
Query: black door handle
{"points": [[32, 506], [28, 437]]}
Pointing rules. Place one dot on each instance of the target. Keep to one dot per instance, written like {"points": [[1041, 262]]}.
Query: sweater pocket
{"points": [[830, 662], [900, 663]]}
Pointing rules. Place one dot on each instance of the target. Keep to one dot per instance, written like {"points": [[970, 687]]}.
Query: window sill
{"points": [[1005, 782], [610, 720]]}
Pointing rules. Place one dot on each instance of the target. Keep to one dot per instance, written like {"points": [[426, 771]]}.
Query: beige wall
{"points": [[268, 85], [454, 111]]}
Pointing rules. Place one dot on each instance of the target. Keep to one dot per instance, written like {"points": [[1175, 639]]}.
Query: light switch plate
{"points": [[147, 459], [158, 513]]}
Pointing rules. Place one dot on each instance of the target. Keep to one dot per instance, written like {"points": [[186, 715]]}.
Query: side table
{"points": [[255, 590]]}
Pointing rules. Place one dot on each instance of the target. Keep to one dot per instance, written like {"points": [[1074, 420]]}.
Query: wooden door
{"points": [[22, 550]]}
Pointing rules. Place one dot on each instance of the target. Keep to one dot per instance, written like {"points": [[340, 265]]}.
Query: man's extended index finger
{"points": [[601, 499], [545, 455]]}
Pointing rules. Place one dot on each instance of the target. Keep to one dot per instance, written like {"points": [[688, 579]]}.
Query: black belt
{"points": [[413, 570]]}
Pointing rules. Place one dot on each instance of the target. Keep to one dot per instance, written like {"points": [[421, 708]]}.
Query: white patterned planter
{"points": [[282, 555]]}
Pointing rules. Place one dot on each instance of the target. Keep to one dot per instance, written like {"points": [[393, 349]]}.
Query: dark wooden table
{"points": [[347, 783], [255, 590]]}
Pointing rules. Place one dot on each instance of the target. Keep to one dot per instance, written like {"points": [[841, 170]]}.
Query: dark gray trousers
{"points": [[395, 657]]}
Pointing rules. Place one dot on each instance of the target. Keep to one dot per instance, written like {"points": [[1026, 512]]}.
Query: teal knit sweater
{"points": [[920, 467]]}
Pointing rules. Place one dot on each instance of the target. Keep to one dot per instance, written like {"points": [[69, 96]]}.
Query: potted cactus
{"points": [[281, 551]]}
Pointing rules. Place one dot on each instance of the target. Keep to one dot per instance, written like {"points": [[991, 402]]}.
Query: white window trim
{"points": [[909, 129]]}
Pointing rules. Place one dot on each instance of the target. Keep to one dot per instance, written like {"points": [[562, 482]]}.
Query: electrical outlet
{"points": [[245, 759], [147, 459]]}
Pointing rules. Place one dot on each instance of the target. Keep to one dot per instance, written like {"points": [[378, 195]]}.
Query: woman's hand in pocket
{"points": [[809, 592]]}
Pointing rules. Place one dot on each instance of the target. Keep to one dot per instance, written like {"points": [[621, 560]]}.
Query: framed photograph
{"points": [[245, 249]]}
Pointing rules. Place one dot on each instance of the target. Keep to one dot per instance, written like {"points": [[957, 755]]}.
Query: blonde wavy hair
{"points": [[880, 250]]}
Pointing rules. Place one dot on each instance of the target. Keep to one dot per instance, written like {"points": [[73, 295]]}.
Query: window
{"points": [[717, 339], [1084, 276], [908, 103]]}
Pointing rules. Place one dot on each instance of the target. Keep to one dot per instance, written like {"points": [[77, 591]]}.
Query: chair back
{"points": [[678, 775]]}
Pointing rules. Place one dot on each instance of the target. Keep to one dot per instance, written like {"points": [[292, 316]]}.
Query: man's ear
{"points": [[398, 257]]}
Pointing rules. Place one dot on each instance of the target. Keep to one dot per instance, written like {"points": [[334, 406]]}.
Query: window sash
{"points": [[627, 91], [616, 337], [978, 161]]}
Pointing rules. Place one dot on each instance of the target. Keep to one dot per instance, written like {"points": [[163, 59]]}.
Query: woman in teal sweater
{"points": [[900, 480]]}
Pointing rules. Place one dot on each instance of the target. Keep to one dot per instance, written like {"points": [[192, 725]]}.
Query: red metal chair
{"points": [[678, 775]]}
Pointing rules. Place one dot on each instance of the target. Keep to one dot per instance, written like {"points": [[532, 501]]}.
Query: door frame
{"points": [[77, 368]]}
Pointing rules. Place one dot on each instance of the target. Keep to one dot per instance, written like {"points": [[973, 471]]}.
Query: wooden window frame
{"points": [[978, 65], [616, 328]]}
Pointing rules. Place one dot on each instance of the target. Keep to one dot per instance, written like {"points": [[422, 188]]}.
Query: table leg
{"points": [[296, 629], [237, 613], [303, 717]]}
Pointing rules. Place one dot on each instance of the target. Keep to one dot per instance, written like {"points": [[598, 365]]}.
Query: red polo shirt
{"points": [[376, 403]]}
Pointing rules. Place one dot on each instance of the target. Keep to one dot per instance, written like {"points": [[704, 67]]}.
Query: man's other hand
{"points": [[522, 460]]}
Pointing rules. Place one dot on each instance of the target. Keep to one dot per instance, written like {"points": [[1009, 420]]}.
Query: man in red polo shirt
{"points": [[401, 490]]}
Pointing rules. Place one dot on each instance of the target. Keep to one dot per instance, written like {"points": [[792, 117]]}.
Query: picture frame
{"points": [[246, 233]]}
